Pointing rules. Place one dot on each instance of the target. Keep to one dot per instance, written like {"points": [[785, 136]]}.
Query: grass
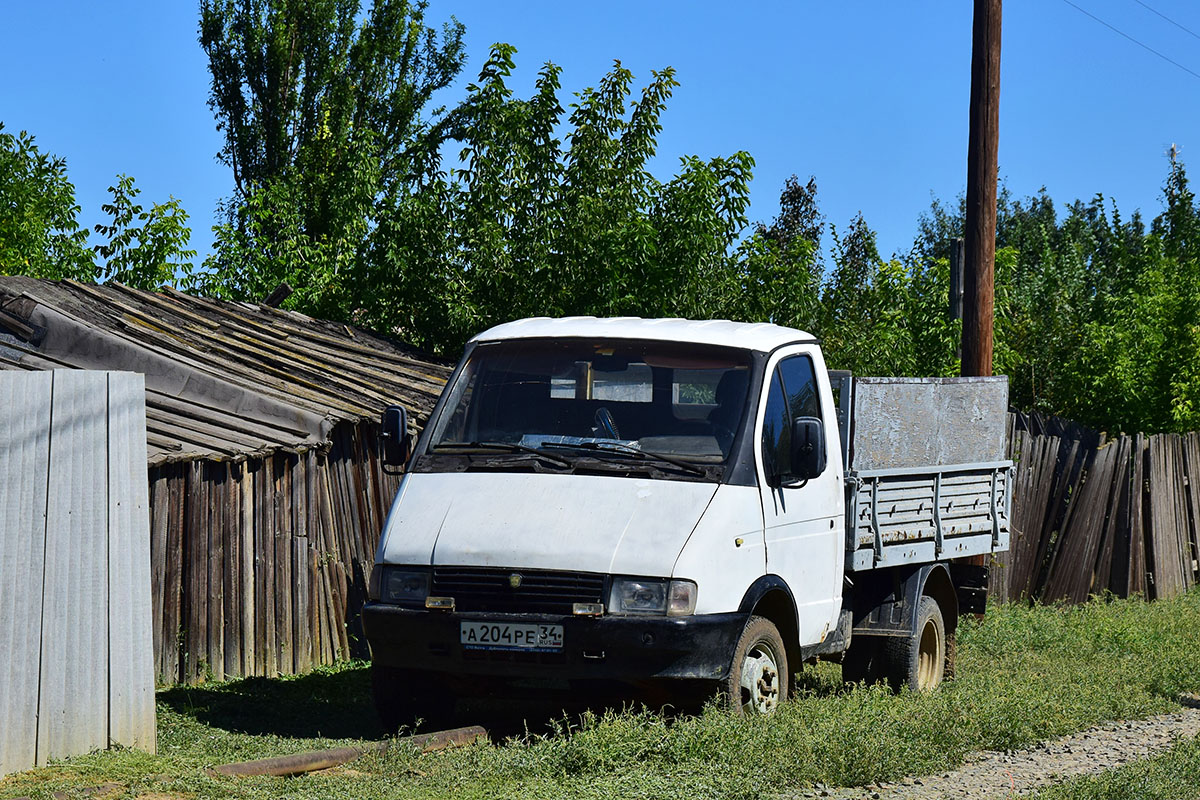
{"points": [[1025, 674], [1175, 775]]}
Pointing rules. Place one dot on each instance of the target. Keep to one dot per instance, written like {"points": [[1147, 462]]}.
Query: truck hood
{"points": [[628, 526]]}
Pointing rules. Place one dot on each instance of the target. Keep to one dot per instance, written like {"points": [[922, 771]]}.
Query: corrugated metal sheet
{"points": [[76, 672], [73, 706], [130, 636], [223, 380], [24, 454]]}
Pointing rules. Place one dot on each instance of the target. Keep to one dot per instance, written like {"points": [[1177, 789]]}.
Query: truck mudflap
{"points": [[620, 648]]}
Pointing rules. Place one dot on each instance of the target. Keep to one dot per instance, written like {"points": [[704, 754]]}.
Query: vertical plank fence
{"points": [[1094, 514], [260, 564]]}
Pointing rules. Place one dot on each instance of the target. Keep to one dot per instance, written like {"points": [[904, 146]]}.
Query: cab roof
{"points": [[761, 336]]}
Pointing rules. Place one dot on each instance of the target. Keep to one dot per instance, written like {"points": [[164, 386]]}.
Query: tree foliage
{"points": [[542, 209], [145, 249], [40, 234], [433, 224], [781, 269], [325, 112], [1097, 318], [532, 222]]}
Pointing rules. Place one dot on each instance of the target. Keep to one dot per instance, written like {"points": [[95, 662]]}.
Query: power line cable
{"points": [[1143, 45], [1168, 19]]}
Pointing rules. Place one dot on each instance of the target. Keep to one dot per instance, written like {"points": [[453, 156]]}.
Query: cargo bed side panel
{"points": [[927, 422]]}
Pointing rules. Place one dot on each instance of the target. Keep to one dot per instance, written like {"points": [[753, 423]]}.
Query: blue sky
{"points": [[869, 96]]}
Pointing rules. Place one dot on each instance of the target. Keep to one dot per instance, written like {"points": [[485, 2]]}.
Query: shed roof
{"points": [[224, 380]]}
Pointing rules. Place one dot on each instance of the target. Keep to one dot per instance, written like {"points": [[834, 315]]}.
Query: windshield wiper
{"points": [[507, 447], [628, 450]]}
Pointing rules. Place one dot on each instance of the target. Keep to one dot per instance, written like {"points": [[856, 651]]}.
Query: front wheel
{"points": [[758, 677]]}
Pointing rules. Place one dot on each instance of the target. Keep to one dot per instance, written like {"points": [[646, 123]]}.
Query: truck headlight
{"points": [[652, 596], [404, 586]]}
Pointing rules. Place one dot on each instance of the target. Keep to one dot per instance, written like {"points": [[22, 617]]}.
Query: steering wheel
{"points": [[605, 424]]}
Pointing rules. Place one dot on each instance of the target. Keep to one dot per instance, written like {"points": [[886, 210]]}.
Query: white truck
{"points": [[684, 504]]}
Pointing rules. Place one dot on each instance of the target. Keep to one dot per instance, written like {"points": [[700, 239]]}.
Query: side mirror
{"points": [[394, 434], [808, 448]]}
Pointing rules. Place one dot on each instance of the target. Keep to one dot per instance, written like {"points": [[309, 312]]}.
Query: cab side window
{"points": [[793, 393], [800, 385], [777, 432]]}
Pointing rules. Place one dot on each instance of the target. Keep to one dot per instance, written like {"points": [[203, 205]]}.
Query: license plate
{"points": [[508, 636]]}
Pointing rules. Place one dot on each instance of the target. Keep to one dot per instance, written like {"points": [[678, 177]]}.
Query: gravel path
{"points": [[1000, 774]]}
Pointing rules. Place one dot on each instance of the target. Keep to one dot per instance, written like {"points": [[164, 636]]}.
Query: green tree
{"points": [[144, 249], [531, 222], [863, 307], [1097, 318], [39, 232], [40, 235], [325, 112], [1139, 364], [781, 265]]}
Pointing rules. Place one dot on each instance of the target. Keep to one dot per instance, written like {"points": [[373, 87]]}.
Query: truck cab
{"points": [[648, 502]]}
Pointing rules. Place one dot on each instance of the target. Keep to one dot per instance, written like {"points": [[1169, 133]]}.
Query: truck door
{"points": [[803, 521]]}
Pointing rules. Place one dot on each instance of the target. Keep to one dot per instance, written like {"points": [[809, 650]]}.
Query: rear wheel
{"points": [[758, 677], [919, 661]]}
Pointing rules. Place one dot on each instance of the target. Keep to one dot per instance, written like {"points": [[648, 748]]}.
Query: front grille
{"points": [[540, 592]]}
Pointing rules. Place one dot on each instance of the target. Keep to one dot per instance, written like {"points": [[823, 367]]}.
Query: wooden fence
{"points": [[260, 566], [1094, 514], [76, 667]]}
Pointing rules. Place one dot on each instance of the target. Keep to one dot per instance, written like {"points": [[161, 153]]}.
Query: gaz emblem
{"points": [[514, 580]]}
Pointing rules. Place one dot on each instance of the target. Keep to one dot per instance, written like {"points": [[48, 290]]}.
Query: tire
{"points": [[758, 676], [409, 697], [919, 661]]}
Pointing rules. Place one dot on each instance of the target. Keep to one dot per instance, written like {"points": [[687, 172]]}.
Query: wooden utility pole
{"points": [[981, 190]]}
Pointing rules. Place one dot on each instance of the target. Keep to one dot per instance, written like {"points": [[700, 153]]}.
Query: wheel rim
{"points": [[931, 657], [760, 680]]}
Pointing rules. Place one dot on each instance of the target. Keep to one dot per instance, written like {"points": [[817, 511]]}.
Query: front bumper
{"points": [[603, 648]]}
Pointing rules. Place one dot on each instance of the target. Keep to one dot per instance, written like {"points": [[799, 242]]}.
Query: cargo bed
{"points": [[926, 475]]}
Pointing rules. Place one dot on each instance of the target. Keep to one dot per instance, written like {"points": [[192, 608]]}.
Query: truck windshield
{"points": [[683, 401]]}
